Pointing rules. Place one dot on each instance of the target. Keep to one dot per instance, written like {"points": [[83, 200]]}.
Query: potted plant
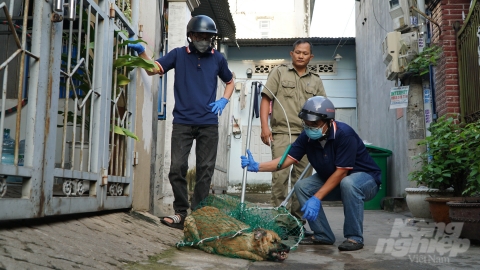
{"points": [[416, 200], [467, 210], [449, 163]]}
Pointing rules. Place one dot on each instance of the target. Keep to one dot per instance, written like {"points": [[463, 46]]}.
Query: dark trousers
{"points": [[206, 154]]}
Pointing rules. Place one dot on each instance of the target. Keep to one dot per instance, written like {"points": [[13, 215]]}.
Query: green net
{"points": [[221, 224]]}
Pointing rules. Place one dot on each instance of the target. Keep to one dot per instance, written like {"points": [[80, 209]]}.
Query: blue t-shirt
{"points": [[343, 149], [195, 85]]}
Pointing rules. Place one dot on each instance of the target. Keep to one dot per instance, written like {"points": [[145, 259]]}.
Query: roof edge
{"points": [[261, 42]]}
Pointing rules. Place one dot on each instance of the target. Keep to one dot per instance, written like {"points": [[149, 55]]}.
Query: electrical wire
{"points": [[351, 12], [373, 8]]}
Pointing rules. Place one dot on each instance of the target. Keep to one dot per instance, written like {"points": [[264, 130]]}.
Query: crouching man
{"points": [[344, 171]]}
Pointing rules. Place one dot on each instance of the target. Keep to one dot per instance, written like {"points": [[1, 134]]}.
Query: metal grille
{"points": [[77, 104], [321, 68], [16, 41], [82, 61], [469, 65], [74, 160]]}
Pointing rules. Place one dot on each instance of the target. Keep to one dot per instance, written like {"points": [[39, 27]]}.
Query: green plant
{"points": [[451, 159], [420, 65], [123, 65], [71, 116], [124, 5]]}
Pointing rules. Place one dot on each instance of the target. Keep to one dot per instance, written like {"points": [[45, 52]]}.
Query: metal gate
{"points": [[64, 97], [468, 46]]}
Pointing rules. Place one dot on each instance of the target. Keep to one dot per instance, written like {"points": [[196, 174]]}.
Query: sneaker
{"points": [[350, 245]]}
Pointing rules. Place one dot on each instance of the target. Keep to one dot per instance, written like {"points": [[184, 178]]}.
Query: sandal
{"points": [[177, 223], [312, 241]]}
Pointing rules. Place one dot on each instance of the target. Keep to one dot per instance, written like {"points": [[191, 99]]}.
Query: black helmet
{"points": [[317, 108], [201, 24]]}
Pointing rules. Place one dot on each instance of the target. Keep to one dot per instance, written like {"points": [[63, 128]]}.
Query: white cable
{"points": [[284, 112]]}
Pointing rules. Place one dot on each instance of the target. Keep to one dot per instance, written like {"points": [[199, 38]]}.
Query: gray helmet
{"points": [[317, 108], [201, 24]]}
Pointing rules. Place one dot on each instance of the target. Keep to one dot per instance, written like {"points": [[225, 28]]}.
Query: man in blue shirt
{"points": [[344, 171], [195, 114]]}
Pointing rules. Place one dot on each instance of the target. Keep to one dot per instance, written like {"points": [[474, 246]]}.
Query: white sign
{"points": [[421, 43], [399, 97]]}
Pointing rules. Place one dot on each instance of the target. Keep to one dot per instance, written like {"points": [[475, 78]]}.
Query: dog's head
{"points": [[271, 246]]}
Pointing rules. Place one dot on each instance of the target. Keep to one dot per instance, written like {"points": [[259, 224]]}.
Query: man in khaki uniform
{"points": [[292, 85]]}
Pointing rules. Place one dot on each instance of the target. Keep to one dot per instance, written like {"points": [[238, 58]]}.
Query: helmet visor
{"points": [[311, 116]]}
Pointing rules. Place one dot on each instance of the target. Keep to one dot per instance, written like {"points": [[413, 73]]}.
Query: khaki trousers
{"points": [[280, 178]]}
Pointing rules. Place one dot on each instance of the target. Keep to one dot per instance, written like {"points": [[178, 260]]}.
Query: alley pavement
{"points": [[137, 240]]}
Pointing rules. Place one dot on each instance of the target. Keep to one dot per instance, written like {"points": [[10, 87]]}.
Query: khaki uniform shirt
{"points": [[292, 91]]}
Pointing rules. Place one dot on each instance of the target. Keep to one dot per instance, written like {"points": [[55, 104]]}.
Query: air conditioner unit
{"points": [[391, 71], [391, 47], [400, 13], [408, 48]]}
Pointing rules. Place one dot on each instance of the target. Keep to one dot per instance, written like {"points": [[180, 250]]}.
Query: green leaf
{"points": [[129, 133], [124, 132], [124, 43], [134, 61], [424, 72], [122, 80], [118, 130]]}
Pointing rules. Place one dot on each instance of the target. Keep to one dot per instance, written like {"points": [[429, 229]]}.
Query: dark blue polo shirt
{"points": [[343, 149], [195, 83]]}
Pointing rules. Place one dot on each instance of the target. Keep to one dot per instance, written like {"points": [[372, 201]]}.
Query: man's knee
{"points": [[347, 185], [300, 185]]}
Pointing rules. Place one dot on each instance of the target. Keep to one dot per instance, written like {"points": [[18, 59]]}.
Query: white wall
{"points": [[340, 86], [287, 18]]}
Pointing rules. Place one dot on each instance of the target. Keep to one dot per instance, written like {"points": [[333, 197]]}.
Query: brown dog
{"points": [[258, 245]]}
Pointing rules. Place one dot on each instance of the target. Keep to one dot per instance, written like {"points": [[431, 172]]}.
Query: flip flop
{"points": [[313, 241], [177, 223]]}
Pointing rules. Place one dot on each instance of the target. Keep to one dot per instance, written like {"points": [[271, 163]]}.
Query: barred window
{"points": [[321, 68]]}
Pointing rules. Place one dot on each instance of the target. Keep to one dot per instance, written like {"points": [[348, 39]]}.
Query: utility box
{"points": [[380, 156]]}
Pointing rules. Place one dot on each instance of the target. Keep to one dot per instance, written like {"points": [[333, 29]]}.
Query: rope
{"points": [[182, 243]]}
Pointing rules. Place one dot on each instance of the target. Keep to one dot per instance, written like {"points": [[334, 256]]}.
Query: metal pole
{"points": [[253, 95], [284, 203]]}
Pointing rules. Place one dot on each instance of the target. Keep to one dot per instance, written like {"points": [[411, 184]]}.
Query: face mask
{"points": [[201, 46], [314, 134]]}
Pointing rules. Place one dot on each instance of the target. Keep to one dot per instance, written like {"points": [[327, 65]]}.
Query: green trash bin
{"points": [[380, 156]]}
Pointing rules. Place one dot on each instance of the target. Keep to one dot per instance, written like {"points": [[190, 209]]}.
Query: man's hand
{"points": [[249, 162], [266, 135], [137, 47], [219, 105], [311, 208]]}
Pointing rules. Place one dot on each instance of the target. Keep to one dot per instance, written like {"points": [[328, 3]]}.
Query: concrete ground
{"points": [[133, 240]]}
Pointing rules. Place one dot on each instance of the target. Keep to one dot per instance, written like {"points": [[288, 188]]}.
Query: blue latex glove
{"points": [[249, 162], [136, 46], [219, 105], [311, 208]]}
